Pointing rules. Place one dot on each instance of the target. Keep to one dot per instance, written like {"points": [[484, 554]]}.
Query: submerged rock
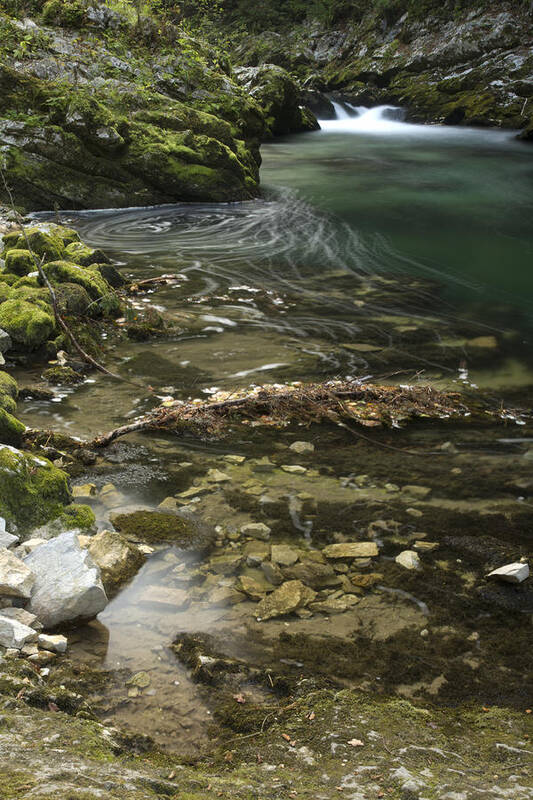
{"points": [[155, 527], [284, 600], [67, 582], [408, 559], [351, 550]]}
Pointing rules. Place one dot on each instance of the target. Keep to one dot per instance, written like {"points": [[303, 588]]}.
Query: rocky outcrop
{"points": [[82, 126], [472, 66], [280, 98]]}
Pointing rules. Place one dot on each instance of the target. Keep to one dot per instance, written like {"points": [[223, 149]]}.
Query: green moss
{"points": [[32, 490], [32, 282], [72, 299], [83, 255], [8, 278], [45, 243], [27, 324], [62, 376], [68, 13], [19, 262], [156, 526], [8, 393], [78, 516], [11, 429]]}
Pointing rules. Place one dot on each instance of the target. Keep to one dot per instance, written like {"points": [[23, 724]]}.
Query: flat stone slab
{"points": [[284, 600], [351, 550], [67, 582]]}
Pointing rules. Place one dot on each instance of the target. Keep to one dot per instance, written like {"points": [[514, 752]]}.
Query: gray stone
{"points": [[16, 579], [351, 550], [117, 559], [15, 634], [67, 582], [511, 573]]}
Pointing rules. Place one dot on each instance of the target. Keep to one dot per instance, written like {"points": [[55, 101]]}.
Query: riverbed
{"points": [[378, 249]]}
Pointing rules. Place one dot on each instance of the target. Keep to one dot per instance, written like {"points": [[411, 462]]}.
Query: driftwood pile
{"points": [[279, 405]]}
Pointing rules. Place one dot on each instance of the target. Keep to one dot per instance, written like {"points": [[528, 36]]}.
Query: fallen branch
{"points": [[278, 405]]}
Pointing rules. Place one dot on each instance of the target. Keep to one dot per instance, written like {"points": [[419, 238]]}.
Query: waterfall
{"points": [[380, 119]]}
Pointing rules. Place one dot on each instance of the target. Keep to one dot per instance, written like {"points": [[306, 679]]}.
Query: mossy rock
{"points": [[8, 278], [19, 262], [32, 282], [11, 429], [59, 272], [27, 324], [8, 393], [156, 527], [110, 274], [32, 490], [83, 255], [46, 244], [78, 515], [67, 13], [72, 299], [62, 376]]}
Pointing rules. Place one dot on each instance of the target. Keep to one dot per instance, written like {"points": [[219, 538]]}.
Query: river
{"points": [[378, 249]]}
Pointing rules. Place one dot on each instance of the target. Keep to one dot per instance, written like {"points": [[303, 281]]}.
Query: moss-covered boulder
{"points": [[19, 262], [61, 376], [11, 429], [279, 96], [77, 515], [44, 243], [82, 254], [155, 527], [8, 393], [59, 272], [28, 324], [32, 490]]}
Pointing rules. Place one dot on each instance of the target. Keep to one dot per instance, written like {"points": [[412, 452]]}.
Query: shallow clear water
{"points": [[381, 249]]}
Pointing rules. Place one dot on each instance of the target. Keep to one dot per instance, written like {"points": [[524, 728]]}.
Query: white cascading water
{"points": [[381, 119]]}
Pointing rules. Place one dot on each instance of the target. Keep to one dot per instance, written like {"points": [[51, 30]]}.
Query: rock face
{"points": [[15, 634], [457, 64], [67, 582], [83, 128], [16, 580], [278, 94], [117, 559]]}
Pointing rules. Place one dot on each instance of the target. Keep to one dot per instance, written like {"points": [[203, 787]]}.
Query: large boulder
{"points": [[279, 96], [67, 582]]}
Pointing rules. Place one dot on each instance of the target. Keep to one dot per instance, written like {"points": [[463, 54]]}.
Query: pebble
{"points": [[257, 530], [425, 546], [293, 469], [351, 550], [216, 476], [408, 559], [56, 644], [284, 555], [413, 512], [234, 459]]}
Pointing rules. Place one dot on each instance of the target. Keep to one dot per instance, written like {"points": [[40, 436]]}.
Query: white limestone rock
{"points": [[14, 634], [511, 573], [16, 579], [22, 616], [67, 582]]}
